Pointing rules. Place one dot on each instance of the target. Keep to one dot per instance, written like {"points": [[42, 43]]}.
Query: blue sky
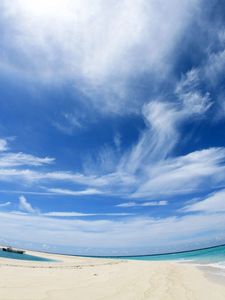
{"points": [[112, 121]]}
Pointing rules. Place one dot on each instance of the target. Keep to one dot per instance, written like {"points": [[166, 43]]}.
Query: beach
{"points": [[84, 278]]}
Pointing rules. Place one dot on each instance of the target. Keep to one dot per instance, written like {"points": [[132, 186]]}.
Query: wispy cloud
{"points": [[26, 209], [155, 147], [3, 145], [168, 176], [212, 203], [63, 214], [189, 93], [143, 204], [25, 206], [197, 87], [185, 174], [74, 193], [5, 204], [8, 159], [157, 140]]}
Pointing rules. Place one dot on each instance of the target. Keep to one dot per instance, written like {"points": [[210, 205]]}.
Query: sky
{"points": [[112, 125]]}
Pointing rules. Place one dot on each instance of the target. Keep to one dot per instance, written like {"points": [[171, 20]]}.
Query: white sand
{"points": [[87, 278]]}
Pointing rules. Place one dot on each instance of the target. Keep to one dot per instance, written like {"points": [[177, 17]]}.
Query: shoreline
{"points": [[119, 256], [100, 278], [214, 274]]}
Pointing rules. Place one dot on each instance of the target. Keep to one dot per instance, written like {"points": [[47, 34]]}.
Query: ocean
{"points": [[213, 257], [212, 254]]}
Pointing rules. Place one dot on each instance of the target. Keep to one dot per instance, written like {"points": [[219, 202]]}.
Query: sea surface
{"points": [[213, 257], [213, 254], [25, 256]]}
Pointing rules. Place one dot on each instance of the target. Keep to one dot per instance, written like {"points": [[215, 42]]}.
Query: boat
{"points": [[10, 249]]}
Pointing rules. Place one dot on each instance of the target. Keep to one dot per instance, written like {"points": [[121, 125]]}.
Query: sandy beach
{"points": [[94, 278]]}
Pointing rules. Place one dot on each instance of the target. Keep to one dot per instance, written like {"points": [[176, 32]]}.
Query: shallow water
{"points": [[25, 256], [209, 257], [214, 254]]}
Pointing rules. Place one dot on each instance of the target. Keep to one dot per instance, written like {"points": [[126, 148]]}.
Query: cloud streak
{"points": [[74, 193], [3, 145], [5, 204], [212, 203], [25, 206], [138, 175], [21, 159], [185, 174], [64, 214], [143, 204]]}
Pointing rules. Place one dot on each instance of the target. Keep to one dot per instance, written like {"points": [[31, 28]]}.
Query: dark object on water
{"points": [[10, 249]]}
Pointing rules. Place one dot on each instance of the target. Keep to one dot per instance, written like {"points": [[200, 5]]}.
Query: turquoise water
{"points": [[211, 258], [214, 255], [22, 256], [207, 256]]}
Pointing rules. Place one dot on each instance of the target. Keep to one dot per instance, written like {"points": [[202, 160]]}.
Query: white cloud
{"points": [[163, 120], [3, 145], [64, 214], [143, 204], [184, 174], [8, 159], [171, 176], [128, 233], [117, 141], [74, 193], [212, 203], [25, 192], [214, 67], [150, 162], [101, 183], [189, 82], [5, 204], [157, 140], [196, 102], [25, 206], [195, 86], [70, 122], [138, 37], [190, 95]]}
